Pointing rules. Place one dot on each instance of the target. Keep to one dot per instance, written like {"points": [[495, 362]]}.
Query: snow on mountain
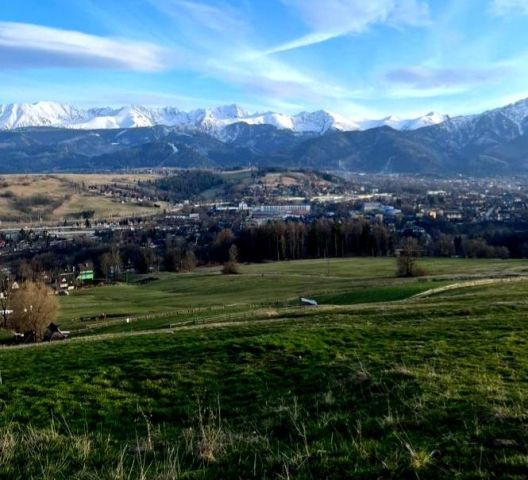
{"points": [[38, 114], [488, 128], [432, 118], [321, 122], [398, 123], [516, 112], [213, 121]]}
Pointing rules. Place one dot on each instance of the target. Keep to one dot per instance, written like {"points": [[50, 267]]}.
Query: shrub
{"points": [[231, 268]]}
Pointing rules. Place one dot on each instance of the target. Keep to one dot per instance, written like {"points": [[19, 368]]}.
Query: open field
{"points": [[338, 281], [374, 383], [32, 198]]}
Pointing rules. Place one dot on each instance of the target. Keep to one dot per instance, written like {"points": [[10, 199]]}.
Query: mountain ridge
{"points": [[494, 142], [213, 121]]}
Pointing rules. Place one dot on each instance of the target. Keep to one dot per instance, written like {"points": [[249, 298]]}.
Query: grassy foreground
{"points": [[431, 387]]}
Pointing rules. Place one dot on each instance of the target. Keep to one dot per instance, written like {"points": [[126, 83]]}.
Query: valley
{"points": [[263, 240]]}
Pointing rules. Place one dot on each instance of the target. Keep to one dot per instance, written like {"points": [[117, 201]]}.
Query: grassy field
{"points": [[372, 384], [32, 198], [336, 281]]}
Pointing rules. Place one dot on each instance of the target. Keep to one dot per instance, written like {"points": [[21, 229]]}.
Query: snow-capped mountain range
{"points": [[212, 121], [493, 142]]}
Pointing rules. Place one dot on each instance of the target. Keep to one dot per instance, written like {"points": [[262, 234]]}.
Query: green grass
{"points": [[335, 281], [368, 294], [385, 267], [377, 385]]}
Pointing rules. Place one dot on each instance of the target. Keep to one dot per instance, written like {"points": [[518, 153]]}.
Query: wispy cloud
{"points": [[335, 18], [425, 78], [217, 17], [220, 17], [25, 45], [507, 7], [222, 42]]}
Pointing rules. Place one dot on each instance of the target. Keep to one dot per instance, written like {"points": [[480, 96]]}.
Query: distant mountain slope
{"points": [[495, 142]]}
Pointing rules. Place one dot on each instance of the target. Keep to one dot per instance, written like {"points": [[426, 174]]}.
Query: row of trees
{"points": [[292, 240], [323, 238], [150, 249]]}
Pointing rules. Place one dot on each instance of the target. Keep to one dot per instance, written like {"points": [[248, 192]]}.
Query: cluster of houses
{"points": [[65, 282], [61, 283]]}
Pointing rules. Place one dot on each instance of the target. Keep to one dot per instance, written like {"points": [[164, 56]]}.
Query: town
{"points": [[268, 214]]}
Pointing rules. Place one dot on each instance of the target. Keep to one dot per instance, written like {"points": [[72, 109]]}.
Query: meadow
{"points": [[228, 377], [35, 198]]}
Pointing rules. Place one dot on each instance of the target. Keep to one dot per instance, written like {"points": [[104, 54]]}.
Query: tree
{"points": [[24, 271], [34, 308], [115, 260], [222, 243], [149, 258], [188, 263], [444, 246], [5, 298], [407, 259], [111, 263], [104, 264], [231, 267]]}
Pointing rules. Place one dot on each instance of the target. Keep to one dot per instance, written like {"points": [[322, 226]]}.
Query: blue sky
{"points": [[359, 58]]}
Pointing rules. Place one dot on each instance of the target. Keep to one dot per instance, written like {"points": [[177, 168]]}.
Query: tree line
{"points": [[143, 251]]}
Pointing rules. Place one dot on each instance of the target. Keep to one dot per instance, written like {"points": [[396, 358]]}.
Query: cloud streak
{"points": [[335, 18], [222, 47], [502, 8], [25, 45], [424, 78]]}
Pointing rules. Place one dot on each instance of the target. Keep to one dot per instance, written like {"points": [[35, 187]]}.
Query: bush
{"points": [[231, 268]]}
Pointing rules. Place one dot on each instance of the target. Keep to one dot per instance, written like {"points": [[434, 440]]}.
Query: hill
{"points": [[31, 199], [420, 387]]}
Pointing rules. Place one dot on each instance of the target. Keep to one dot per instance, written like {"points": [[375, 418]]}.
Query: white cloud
{"points": [[220, 18], [217, 17], [426, 78], [507, 7], [334, 18], [25, 45], [221, 42]]}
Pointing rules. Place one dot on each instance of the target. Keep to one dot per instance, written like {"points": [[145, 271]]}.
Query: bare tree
{"points": [[110, 263], [5, 298], [115, 260], [444, 246], [188, 263], [104, 264], [34, 308], [24, 271], [407, 259], [232, 267]]}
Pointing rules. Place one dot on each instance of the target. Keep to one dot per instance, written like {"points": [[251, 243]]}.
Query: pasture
{"points": [[35, 198], [230, 378]]}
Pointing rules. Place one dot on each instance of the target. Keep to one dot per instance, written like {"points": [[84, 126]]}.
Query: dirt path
{"points": [[466, 284]]}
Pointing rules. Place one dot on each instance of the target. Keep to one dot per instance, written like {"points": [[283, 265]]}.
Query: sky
{"points": [[358, 58]]}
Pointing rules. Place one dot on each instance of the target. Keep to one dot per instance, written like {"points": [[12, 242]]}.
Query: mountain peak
{"points": [[225, 112], [213, 121]]}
